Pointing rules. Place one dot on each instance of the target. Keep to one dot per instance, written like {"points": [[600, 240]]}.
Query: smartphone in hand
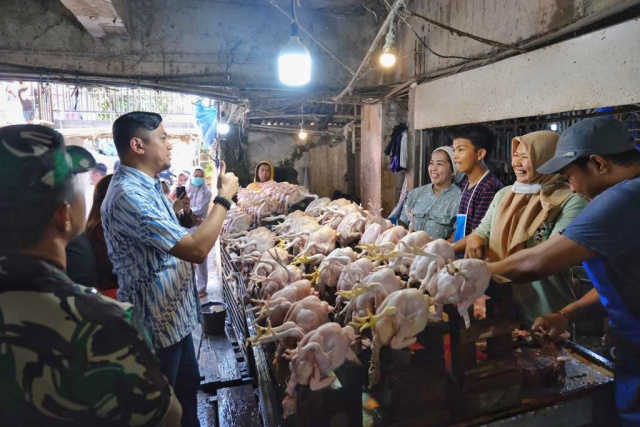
{"points": [[180, 190]]}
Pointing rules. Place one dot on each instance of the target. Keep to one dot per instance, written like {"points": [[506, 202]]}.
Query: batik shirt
{"points": [[140, 229], [436, 215], [69, 356]]}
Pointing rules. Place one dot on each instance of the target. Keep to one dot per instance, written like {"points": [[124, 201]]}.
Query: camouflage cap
{"points": [[34, 161]]}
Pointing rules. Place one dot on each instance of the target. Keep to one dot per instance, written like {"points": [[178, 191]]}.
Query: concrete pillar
{"points": [[371, 155], [377, 182]]}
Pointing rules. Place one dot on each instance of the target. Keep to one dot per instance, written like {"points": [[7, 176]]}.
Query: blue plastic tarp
{"points": [[207, 119]]}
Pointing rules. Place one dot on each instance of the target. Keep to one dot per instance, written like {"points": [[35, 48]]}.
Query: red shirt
{"points": [[107, 280]]}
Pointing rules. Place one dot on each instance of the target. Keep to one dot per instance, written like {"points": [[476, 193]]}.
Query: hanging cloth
{"points": [[397, 210], [403, 150]]}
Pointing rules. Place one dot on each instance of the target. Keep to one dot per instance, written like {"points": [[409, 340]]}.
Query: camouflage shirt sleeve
{"points": [[144, 390]]}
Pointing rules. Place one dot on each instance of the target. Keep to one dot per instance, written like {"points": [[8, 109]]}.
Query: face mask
{"points": [[197, 181], [520, 188]]}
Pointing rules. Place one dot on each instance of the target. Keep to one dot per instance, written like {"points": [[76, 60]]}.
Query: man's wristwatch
{"points": [[223, 201]]}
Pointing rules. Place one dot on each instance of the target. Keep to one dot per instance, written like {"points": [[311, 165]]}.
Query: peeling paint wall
{"points": [[326, 160], [234, 42]]}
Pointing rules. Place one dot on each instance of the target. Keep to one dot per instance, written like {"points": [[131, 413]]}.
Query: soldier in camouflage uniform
{"points": [[68, 356]]}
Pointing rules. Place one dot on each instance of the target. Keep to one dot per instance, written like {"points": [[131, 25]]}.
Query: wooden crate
{"points": [[494, 384], [414, 383], [332, 406]]}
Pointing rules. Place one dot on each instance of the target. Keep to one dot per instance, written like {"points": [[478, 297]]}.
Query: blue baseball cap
{"points": [[595, 136]]}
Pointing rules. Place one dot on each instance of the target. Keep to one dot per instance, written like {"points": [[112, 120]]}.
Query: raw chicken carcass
{"points": [[368, 294], [376, 226], [423, 268], [254, 244], [331, 268], [363, 298], [387, 278], [277, 280], [277, 307], [353, 273], [443, 248], [303, 316], [400, 317], [320, 352], [315, 208], [386, 241], [236, 223], [351, 228], [460, 283], [269, 260], [320, 244], [405, 251], [335, 215]]}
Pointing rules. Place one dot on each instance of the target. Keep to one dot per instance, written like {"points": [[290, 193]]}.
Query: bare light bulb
{"points": [[388, 58], [302, 135], [553, 127], [223, 128], [294, 61]]}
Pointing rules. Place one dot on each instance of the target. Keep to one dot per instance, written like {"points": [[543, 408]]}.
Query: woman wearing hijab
{"points": [[199, 198], [264, 172], [526, 214], [183, 177], [434, 206]]}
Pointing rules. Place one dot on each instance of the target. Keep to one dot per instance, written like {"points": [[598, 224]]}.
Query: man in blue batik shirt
{"points": [[152, 254], [599, 158]]}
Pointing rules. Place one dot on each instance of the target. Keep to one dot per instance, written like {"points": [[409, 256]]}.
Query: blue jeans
{"points": [[178, 363]]}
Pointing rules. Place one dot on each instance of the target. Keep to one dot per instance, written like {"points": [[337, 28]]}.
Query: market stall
{"points": [[347, 320]]}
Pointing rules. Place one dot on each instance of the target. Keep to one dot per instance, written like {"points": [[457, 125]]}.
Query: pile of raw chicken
{"points": [[325, 275], [270, 198]]}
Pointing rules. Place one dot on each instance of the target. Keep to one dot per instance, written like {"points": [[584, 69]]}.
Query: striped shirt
{"points": [[482, 198], [140, 228]]}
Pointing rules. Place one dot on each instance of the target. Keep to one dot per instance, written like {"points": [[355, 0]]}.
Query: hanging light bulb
{"points": [[554, 127], [294, 61], [223, 128], [388, 57], [302, 134]]}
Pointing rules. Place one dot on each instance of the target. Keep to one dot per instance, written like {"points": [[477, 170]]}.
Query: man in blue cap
{"points": [[599, 158], [68, 356]]}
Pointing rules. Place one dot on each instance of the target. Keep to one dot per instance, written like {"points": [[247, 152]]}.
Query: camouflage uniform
{"points": [[68, 356]]}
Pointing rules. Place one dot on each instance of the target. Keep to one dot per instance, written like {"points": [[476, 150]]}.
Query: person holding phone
{"points": [[152, 254], [199, 196]]}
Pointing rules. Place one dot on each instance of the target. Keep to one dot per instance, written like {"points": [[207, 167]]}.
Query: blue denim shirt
{"points": [[140, 229]]}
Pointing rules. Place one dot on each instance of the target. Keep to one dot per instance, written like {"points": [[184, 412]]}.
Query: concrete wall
{"points": [[506, 21], [237, 42], [325, 158], [598, 69]]}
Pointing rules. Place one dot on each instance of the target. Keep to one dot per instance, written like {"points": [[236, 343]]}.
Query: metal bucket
{"points": [[214, 315]]}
